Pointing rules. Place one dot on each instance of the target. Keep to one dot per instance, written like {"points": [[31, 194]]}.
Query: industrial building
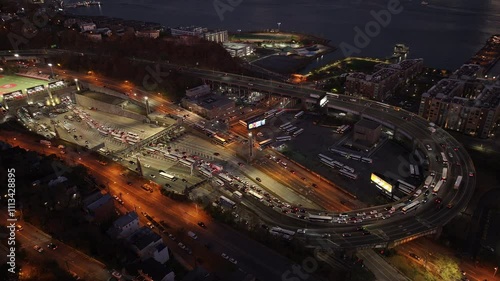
{"points": [[367, 132], [201, 101]]}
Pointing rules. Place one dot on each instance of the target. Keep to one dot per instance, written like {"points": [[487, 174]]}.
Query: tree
{"points": [[448, 269]]}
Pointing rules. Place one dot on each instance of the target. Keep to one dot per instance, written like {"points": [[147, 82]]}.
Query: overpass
{"points": [[385, 233]]}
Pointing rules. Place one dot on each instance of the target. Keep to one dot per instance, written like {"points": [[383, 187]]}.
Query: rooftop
{"points": [[101, 201], [144, 237], [382, 74], [213, 101], [125, 219], [443, 88], [368, 124]]}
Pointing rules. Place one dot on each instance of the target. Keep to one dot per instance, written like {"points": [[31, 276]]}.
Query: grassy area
{"points": [[413, 271], [11, 83]]}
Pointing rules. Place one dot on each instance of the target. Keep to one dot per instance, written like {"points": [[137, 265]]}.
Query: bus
{"points": [[457, 182], [444, 159], [348, 174], [171, 157], [281, 231], [265, 142], [287, 127], [298, 115], [43, 127], [149, 150], [444, 175], [206, 173], [167, 176], [289, 130], [298, 132], [355, 157], [284, 138], [227, 202], [238, 194], [118, 139], [322, 156], [270, 113], [190, 159], [256, 195], [279, 113], [339, 152], [131, 142], [404, 189], [437, 187], [319, 218], [133, 134], [349, 169], [225, 177], [286, 124], [328, 163], [185, 162], [338, 164], [116, 134], [219, 182], [219, 140], [366, 160], [412, 170], [176, 155], [396, 207], [410, 186], [102, 132], [417, 172], [428, 181], [412, 206], [210, 133], [199, 126]]}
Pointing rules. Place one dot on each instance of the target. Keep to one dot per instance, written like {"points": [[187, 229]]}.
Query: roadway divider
{"points": [[318, 175]]}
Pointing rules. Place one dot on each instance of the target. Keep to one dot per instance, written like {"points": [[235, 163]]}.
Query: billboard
{"points": [[381, 184], [256, 124], [323, 101]]}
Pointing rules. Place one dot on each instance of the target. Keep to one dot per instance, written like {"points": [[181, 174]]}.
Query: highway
{"points": [[399, 227]]}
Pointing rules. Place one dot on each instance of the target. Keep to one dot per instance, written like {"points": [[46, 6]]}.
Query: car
{"points": [[225, 256], [360, 228], [172, 237], [326, 235], [145, 214], [19, 227], [38, 248], [184, 180], [471, 174], [241, 164], [216, 153], [449, 206], [131, 162], [233, 261], [152, 176], [129, 183], [346, 234], [314, 185], [429, 148], [182, 245], [52, 246], [202, 224], [455, 148], [458, 163], [365, 232], [438, 200], [303, 178], [147, 165], [258, 179], [415, 256], [150, 225]]}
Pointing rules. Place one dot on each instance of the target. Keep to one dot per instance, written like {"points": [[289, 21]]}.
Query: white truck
{"points": [[192, 235]]}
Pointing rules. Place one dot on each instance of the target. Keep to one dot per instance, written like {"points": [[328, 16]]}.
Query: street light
{"points": [[16, 55], [77, 86], [495, 273], [51, 69]]}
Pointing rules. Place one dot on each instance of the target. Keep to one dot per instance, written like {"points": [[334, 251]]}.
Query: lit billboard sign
{"points": [[380, 183], [256, 124], [323, 101]]}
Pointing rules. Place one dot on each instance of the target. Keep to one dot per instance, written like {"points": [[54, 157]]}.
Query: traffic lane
{"points": [[67, 257]]}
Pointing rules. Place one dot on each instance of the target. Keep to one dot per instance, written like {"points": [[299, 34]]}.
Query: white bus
{"points": [[338, 164], [190, 159], [284, 138], [281, 231], [349, 169], [279, 112], [256, 195], [238, 194], [407, 185], [444, 175], [404, 189], [167, 176], [270, 113], [284, 125], [225, 177], [322, 156], [133, 134], [115, 134], [291, 129], [298, 132], [339, 152], [428, 181], [437, 187], [43, 127], [412, 170], [328, 163], [298, 115], [355, 157], [131, 142], [171, 157], [219, 182], [219, 140], [227, 202], [118, 139], [457, 182], [265, 142], [444, 159], [176, 155], [412, 206], [366, 160], [102, 132], [206, 173], [319, 218], [348, 174], [185, 162], [287, 127]]}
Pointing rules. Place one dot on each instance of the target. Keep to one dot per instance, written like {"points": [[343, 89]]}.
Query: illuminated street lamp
{"points": [[495, 273], [77, 86], [51, 69], [279, 24], [147, 105]]}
